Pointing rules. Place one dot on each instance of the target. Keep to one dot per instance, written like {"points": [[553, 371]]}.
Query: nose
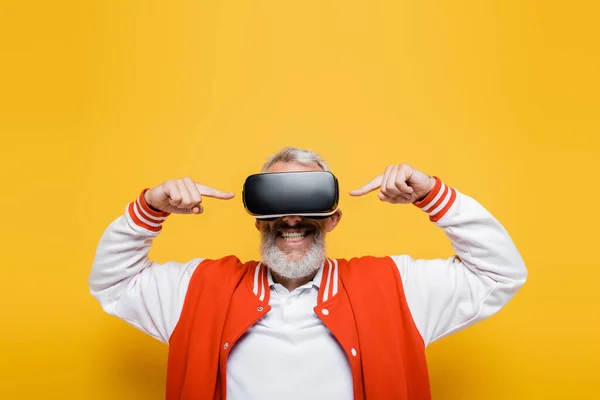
{"points": [[292, 220]]}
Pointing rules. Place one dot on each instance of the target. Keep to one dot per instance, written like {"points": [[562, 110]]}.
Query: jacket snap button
{"points": [[325, 311], [225, 346], [353, 352], [259, 308]]}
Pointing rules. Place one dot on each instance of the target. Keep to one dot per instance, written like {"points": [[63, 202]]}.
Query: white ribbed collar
{"points": [[262, 279]]}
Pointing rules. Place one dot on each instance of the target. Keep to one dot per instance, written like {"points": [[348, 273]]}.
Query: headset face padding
{"points": [[312, 194]]}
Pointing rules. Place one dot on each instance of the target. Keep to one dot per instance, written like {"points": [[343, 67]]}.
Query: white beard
{"points": [[280, 263]]}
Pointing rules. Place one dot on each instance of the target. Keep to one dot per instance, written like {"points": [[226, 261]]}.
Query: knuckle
{"points": [[176, 195], [195, 193]]}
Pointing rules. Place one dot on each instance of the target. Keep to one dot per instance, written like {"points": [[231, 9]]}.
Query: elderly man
{"points": [[299, 325]]}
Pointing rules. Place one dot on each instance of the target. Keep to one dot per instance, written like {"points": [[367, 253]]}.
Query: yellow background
{"points": [[100, 99]]}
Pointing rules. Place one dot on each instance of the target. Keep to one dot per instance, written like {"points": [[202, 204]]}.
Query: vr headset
{"points": [[269, 196]]}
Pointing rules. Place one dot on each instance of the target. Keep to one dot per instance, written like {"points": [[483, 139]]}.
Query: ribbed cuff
{"points": [[438, 201], [145, 217]]}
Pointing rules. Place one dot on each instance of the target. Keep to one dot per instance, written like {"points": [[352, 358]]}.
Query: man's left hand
{"points": [[399, 184]]}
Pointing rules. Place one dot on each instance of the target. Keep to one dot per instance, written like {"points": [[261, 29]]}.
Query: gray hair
{"points": [[295, 154]]}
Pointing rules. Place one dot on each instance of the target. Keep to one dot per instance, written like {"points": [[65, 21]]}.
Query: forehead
{"points": [[292, 166]]}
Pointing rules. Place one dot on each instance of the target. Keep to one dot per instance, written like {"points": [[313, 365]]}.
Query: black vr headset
{"points": [[269, 196]]}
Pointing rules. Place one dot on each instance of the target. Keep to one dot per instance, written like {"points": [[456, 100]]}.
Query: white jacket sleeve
{"points": [[447, 295], [128, 284]]}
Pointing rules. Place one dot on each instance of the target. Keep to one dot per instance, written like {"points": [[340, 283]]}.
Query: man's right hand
{"points": [[182, 196]]}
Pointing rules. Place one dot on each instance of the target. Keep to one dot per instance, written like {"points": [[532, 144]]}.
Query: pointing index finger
{"points": [[369, 187], [215, 193]]}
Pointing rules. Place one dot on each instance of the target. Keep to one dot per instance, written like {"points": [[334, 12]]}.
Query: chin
{"points": [[295, 255], [292, 263], [292, 253]]}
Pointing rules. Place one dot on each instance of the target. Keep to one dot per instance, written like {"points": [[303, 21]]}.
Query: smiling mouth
{"points": [[294, 235]]}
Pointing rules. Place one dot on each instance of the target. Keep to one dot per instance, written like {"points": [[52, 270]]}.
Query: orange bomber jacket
{"points": [[364, 308]]}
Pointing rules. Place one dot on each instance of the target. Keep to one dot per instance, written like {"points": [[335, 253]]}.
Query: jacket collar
{"points": [[329, 281], [326, 280]]}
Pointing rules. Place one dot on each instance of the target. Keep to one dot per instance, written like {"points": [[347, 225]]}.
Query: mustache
{"points": [[304, 224]]}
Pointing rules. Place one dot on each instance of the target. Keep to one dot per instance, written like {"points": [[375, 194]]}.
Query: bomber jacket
{"points": [[383, 311]]}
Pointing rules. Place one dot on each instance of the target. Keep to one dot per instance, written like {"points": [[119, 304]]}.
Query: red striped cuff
{"points": [[438, 201], [145, 217]]}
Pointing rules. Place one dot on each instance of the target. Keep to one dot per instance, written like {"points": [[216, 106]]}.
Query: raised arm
{"points": [[447, 295], [129, 285]]}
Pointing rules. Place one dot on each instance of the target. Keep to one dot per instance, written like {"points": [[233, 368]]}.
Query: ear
{"points": [[334, 220], [262, 226]]}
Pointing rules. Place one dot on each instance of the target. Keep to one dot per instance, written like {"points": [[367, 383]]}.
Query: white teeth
{"points": [[296, 235], [292, 235]]}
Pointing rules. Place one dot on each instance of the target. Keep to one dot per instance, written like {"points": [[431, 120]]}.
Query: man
{"points": [[298, 325]]}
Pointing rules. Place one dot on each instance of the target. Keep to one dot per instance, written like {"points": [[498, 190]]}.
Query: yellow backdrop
{"points": [[101, 99]]}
